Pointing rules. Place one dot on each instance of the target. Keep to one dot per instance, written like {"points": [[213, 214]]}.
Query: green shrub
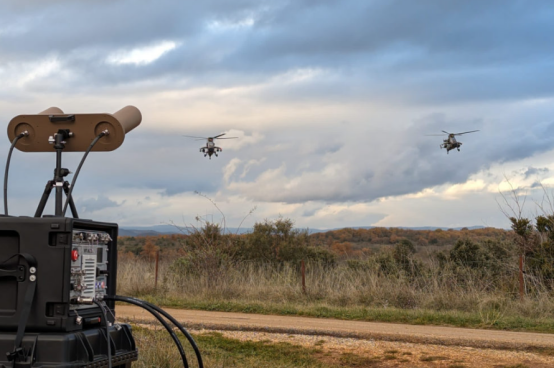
{"points": [[278, 242]]}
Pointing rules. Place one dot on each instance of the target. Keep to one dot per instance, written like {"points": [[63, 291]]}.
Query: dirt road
{"points": [[478, 338]]}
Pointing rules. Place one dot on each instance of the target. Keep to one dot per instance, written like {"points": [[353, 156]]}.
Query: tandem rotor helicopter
{"points": [[450, 143], [210, 148]]}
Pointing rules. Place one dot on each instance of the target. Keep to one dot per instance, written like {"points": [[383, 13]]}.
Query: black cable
{"points": [[21, 135], [159, 318], [178, 325], [107, 323], [79, 169]]}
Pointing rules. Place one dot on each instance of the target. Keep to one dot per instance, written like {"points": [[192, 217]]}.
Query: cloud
{"points": [[230, 168], [243, 140], [331, 101], [355, 167], [413, 53], [249, 165], [141, 55], [535, 172], [92, 205]]}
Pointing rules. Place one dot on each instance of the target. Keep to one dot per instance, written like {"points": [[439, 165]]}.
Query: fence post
{"points": [[303, 271], [157, 261], [521, 288]]}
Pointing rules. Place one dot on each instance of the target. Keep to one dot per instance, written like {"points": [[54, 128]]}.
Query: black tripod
{"points": [[59, 141]]}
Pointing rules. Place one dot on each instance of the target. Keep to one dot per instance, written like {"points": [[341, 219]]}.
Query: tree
{"points": [[149, 249], [403, 255], [403, 252], [278, 241], [541, 256], [523, 230]]}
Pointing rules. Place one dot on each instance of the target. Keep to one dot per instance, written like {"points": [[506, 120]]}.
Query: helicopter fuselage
{"points": [[210, 149], [450, 144]]}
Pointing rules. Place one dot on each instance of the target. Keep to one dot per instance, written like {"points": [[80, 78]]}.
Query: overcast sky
{"points": [[331, 101]]}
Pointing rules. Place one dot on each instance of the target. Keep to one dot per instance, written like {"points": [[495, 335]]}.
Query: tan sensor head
{"points": [[83, 129]]}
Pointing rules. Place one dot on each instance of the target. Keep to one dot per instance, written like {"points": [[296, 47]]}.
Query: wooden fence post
{"points": [[303, 271], [157, 261], [521, 288]]}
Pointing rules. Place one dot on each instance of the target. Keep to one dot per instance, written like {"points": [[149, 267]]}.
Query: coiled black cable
{"points": [[177, 324], [152, 311], [21, 135], [104, 133], [107, 323]]}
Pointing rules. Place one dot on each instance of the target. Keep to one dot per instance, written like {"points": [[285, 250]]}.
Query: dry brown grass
{"points": [[342, 287]]}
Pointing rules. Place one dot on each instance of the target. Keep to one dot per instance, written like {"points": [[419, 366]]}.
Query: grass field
{"points": [[343, 293], [256, 349], [158, 350], [370, 314]]}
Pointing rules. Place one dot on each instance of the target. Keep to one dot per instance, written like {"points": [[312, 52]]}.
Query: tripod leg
{"points": [[71, 203], [44, 199]]}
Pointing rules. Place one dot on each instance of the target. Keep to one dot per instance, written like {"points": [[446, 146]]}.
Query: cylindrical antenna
{"points": [[52, 111], [84, 127], [129, 117]]}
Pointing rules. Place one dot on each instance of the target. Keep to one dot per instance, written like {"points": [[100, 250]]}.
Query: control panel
{"points": [[89, 267]]}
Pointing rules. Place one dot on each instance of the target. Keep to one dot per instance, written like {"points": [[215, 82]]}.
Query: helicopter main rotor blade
{"points": [[199, 138], [219, 135], [435, 135], [463, 133], [225, 138], [448, 133]]}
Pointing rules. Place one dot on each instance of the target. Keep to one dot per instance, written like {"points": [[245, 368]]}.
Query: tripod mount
{"points": [[59, 140]]}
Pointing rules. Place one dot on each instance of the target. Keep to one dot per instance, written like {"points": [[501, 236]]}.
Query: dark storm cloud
{"points": [[428, 51], [460, 50], [371, 166], [534, 172], [64, 26]]}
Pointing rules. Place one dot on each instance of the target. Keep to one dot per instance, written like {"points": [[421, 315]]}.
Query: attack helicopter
{"points": [[210, 148], [450, 143]]}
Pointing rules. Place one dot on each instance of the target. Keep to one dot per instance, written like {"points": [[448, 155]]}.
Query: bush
{"points": [[278, 242], [206, 252], [541, 261]]}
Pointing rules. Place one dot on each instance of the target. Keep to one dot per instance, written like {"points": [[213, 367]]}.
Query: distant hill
{"points": [[409, 228], [137, 233], [163, 229]]}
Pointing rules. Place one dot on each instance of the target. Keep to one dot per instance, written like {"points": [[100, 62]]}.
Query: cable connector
{"points": [[17, 355]]}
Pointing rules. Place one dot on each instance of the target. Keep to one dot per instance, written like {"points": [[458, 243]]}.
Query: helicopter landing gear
{"points": [[458, 149]]}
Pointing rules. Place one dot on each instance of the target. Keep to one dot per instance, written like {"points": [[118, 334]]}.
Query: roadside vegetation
{"points": [[157, 350], [255, 350], [467, 278]]}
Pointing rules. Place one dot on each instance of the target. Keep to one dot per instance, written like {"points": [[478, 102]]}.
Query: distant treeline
{"points": [[391, 236], [340, 242]]}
